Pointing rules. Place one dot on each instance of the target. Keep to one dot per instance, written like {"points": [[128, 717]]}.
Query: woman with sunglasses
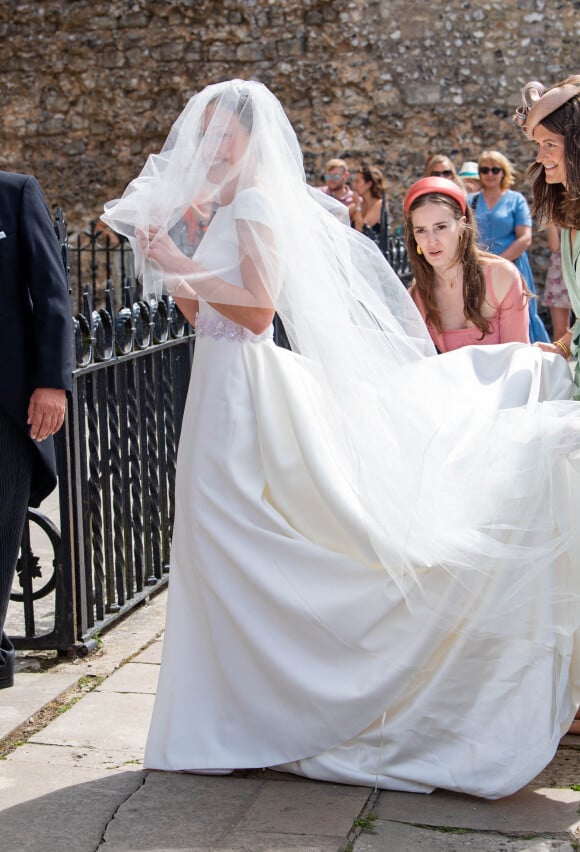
{"points": [[336, 177], [504, 223], [439, 165], [466, 296]]}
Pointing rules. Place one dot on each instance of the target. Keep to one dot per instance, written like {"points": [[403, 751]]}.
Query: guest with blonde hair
{"points": [[439, 165], [336, 176], [504, 223]]}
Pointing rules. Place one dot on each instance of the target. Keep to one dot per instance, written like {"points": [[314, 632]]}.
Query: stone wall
{"points": [[89, 88]]}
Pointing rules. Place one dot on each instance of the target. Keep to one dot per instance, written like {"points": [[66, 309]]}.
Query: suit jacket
{"points": [[35, 313]]}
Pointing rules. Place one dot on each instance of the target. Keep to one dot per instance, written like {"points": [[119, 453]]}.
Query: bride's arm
{"points": [[259, 271], [250, 305], [188, 305]]}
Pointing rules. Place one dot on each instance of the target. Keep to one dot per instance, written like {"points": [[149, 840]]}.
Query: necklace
{"points": [[450, 283]]}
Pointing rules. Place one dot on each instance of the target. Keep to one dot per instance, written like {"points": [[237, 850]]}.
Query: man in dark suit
{"points": [[35, 370]]}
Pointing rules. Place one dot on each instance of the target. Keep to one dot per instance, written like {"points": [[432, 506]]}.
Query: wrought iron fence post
{"points": [[116, 456]]}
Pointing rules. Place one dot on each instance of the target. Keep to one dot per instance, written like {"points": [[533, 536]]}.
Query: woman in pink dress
{"points": [[466, 296]]}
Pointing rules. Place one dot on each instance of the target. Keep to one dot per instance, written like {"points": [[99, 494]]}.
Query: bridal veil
{"points": [[465, 464]]}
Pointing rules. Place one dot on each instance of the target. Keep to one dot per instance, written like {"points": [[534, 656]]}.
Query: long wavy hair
{"points": [[555, 202], [374, 176], [468, 255]]}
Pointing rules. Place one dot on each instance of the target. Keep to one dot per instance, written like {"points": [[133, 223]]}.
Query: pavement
{"points": [[72, 779]]}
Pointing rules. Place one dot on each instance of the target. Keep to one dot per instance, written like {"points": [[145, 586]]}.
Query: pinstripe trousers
{"points": [[15, 476]]}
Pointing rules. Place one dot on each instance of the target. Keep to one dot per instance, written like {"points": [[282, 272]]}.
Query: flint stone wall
{"points": [[90, 88]]}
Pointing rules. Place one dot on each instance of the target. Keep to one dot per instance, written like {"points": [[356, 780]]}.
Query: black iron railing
{"points": [[116, 457], [99, 259], [116, 461]]}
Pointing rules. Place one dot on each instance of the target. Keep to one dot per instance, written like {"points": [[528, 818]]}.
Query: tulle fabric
{"points": [[448, 469]]}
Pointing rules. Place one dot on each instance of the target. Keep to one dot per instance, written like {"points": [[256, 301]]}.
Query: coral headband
{"points": [[439, 185]]}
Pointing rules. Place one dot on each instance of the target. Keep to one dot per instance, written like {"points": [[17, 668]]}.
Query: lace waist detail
{"points": [[209, 326]]}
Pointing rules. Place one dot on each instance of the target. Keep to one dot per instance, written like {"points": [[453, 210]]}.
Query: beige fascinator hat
{"points": [[538, 102]]}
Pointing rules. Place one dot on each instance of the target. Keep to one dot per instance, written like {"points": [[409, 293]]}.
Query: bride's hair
{"points": [[239, 105], [468, 255]]}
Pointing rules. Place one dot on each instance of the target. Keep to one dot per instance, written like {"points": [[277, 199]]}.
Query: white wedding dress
{"points": [[288, 645]]}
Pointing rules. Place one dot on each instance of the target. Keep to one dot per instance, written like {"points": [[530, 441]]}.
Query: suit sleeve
{"points": [[48, 291]]}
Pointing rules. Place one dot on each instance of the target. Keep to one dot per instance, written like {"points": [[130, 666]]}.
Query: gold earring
{"points": [[419, 250]]}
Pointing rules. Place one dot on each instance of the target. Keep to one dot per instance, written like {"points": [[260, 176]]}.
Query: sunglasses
{"points": [[485, 170], [447, 173], [334, 176]]}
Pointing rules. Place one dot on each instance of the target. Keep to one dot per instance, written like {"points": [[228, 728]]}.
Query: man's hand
{"points": [[46, 411]]}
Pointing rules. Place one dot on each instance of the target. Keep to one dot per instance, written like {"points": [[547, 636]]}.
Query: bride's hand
{"points": [[158, 247]]}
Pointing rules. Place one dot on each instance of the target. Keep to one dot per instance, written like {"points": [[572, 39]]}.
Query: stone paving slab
{"points": [[132, 677], [315, 808], [47, 810], [102, 720], [527, 812], [564, 768], [152, 654], [250, 842], [175, 810], [126, 638], [234, 813], [33, 691], [108, 760], [30, 693], [393, 837]]}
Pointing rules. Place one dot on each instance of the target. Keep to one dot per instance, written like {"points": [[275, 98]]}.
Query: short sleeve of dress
{"points": [[251, 204], [522, 215]]}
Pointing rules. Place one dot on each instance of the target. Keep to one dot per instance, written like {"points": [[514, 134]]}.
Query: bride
{"points": [[374, 570]]}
